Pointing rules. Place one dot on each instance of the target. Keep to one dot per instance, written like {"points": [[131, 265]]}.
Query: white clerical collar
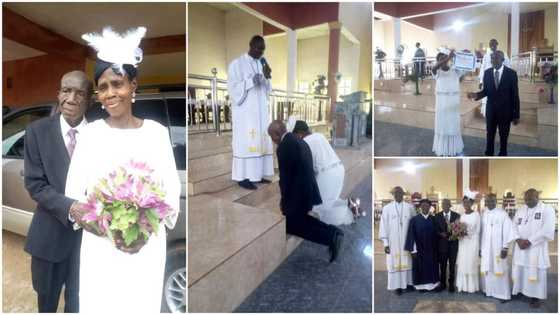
{"points": [[65, 127], [251, 58]]}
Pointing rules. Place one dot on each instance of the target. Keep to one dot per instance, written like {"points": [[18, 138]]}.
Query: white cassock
{"points": [[497, 234], [252, 147], [392, 231], [529, 265], [329, 173], [487, 64]]}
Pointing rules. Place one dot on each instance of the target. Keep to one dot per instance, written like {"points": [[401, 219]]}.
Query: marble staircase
{"points": [[237, 237], [395, 102]]}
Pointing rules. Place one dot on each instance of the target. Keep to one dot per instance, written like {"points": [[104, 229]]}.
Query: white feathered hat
{"points": [[470, 194]]}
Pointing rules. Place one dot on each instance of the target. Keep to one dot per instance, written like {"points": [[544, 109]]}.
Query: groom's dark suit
{"points": [[447, 250], [299, 191], [502, 106], [51, 240]]}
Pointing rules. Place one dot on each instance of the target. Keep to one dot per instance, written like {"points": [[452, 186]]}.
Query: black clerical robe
{"points": [[422, 233]]}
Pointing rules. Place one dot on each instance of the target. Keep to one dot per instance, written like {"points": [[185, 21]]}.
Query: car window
{"points": [[151, 109], [13, 145], [176, 108], [18, 123]]}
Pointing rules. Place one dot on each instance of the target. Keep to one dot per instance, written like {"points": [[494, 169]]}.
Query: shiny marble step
{"points": [[202, 142], [213, 184], [232, 249], [523, 133]]}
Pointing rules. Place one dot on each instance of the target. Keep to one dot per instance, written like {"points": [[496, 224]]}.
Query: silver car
{"points": [[17, 206]]}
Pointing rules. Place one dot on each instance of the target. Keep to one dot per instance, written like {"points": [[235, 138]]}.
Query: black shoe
{"points": [[439, 288], [265, 181], [451, 289], [336, 243], [503, 301], [410, 288], [534, 303], [247, 184], [398, 291]]}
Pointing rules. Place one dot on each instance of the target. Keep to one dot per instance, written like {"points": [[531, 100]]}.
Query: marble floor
{"points": [[445, 302], [399, 140], [306, 282]]}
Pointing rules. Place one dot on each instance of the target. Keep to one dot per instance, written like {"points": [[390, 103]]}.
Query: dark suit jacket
{"points": [[298, 188], [502, 104], [50, 236], [444, 245]]}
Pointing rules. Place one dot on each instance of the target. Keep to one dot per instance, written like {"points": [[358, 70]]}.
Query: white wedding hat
{"points": [[470, 194], [115, 48]]}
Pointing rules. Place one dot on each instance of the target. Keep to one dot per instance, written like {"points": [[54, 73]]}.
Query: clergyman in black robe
{"points": [[421, 242]]}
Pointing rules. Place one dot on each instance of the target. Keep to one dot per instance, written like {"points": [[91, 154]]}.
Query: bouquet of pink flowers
{"points": [[457, 230], [127, 206]]}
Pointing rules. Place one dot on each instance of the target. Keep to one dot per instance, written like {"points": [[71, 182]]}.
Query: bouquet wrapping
{"points": [[128, 205]]}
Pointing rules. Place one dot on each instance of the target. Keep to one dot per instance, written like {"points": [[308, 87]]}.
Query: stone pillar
{"points": [[514, 29], [292, 61], [334, 51], [396, 34], [466, 175]]}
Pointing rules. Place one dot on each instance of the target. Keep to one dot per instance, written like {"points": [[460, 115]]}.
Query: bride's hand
{"points": [[133, 248]]}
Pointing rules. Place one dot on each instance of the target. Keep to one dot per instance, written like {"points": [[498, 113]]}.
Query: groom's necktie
{"points": [[496, 78], [72, 143]]}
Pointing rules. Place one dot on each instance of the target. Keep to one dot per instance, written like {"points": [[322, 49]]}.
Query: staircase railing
{"points": [[530, 64], [209, 105]]}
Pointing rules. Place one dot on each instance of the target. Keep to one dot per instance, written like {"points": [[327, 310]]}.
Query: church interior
{"points": [[320, 54], [404, 111], [438, 179]]}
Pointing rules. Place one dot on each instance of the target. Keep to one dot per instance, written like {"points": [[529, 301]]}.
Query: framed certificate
{"points": [[464, 61]]}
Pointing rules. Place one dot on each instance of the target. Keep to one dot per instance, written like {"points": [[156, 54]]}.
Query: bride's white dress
{"points": [[447, 130], [111, 280], [329, 174], [467, 259]]}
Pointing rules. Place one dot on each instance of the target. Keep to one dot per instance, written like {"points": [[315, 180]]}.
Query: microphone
{"points": [[264, 63]]}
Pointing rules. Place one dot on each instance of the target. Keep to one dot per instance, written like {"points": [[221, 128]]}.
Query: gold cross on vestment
{"points": [[253, 133]]}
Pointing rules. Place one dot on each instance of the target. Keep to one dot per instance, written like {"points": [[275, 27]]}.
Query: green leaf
{"points": [[131, 234], [153, 219]]}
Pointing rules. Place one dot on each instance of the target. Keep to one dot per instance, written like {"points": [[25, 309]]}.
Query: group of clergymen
{"points": [[420, 247]]}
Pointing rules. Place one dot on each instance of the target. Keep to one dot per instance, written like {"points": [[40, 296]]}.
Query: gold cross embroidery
{"points": [[253, 132]]}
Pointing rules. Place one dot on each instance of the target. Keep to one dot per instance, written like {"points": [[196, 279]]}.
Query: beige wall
{"points": [[357, 17], [348, 62], [551, 26], [277, 56], [441, 174], [206, 40], [313, 58], [240, 28], [482, 24], [540, 174]]}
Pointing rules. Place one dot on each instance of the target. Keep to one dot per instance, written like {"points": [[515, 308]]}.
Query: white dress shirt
{"points": [[500, 72], [65, 127]]}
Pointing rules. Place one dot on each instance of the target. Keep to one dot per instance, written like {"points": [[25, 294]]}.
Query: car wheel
{"points": [[174, 298]]}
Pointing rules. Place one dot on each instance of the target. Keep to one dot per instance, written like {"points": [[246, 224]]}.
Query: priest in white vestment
{"points": [[249, 88], [393, 228], [533, 226], [329, 174], [487, 64], [495, 241]]}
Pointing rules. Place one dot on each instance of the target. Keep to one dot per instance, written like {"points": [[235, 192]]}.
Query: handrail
{"points": [[210, 108]]}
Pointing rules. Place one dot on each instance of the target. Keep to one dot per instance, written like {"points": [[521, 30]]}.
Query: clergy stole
{"points": [[393, 227], [536, 225], [497, 234]]}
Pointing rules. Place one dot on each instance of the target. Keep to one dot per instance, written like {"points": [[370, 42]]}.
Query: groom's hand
{"points": [[515, 122], [504, 253], [471, 95]]}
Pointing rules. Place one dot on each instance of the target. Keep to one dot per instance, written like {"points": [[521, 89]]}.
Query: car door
{"points": [[18, 206]]}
